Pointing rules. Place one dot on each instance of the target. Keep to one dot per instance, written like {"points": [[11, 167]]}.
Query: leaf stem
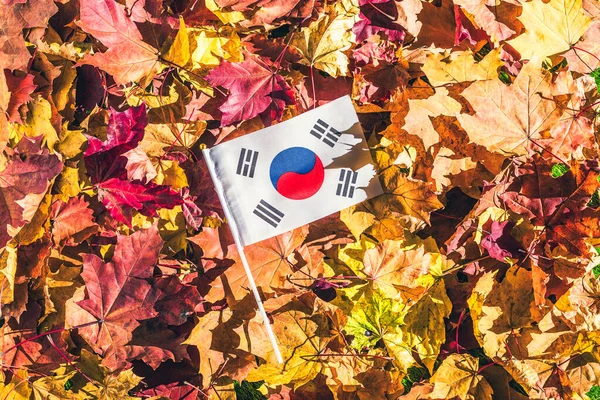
{"points": [[486, 366], [194, 387], [548, 151], [585, 51], [68, 360], [314, 93], [355, 356], [460, 320], [178, 137], [584, 109], [16, 385], [281, 55], [31, 339]]}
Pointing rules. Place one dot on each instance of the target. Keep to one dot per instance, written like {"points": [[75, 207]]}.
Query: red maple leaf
{"points": [[124, 133], [72, 221], [117, 295], [20, 86], [121, 198], [106, 164], [254, 88], [499, 243], [378, 16]]}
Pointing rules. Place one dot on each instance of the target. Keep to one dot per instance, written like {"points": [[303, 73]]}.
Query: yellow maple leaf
{"points": [[323, 43], [201, 337], [550, 28], [8, 271], [418, 119], [303, 339], [179, 51], [424, 320], [460, 66], [500, 309], [18, 388], [458, 377], [212, 45], [37, 122], [160, 137]]}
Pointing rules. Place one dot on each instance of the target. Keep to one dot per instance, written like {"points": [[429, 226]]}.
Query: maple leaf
{"points": [[121, 198], [171, 136], [413, 199], [105, 385], [458, 376], [128, 57], [106, 163], [323, 42], [549, 201], [487, 19], [26, 175], [19, 351], [21, 88], [214, 45], [554, 27], [383, 79], [72, 222], [305, 338], [213, 242], [254, 88], [376, 317], [460, 66], [499, 243], [512, 118], [125, 131], [378, 16], [423, 320], [501, 309], [201, 337], [582, 57], [117, 295], [37, 123], [139, 166], [179, 50], [418, 119], [177, 301], [270, 262], [393, 270], [19, 16]]}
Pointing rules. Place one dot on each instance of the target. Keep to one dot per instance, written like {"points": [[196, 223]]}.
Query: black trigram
{"points": [[323, 131], [347, 183], [268, 213], [247, 163]]}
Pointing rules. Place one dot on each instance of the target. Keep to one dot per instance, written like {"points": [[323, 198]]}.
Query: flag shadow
{"points": [[353, 160], [350, 139]]}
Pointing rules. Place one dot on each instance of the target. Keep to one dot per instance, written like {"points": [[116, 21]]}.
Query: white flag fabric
{"points": [[287, 175]]}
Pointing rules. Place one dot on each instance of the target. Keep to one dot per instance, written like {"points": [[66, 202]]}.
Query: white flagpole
{"points": [[261, 309], [240, 249]]}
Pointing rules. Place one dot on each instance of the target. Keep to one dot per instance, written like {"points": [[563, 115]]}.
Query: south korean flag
{"points": [[287, 175]]}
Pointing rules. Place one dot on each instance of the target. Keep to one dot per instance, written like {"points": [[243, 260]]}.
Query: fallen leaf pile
{"points": [[476, 275]]}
